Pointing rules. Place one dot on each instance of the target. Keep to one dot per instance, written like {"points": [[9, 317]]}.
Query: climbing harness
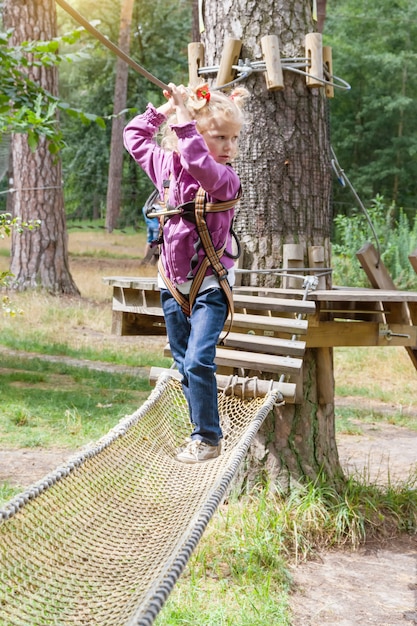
{"points": [[196, 211], [162, 209]]}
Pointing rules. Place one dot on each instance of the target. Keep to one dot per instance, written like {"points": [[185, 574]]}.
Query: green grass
{"points": [[239, 574], [41, 344], [350, 419], [99, 225], [105, 254], [382, 380], [7, 492], [50, 404]]}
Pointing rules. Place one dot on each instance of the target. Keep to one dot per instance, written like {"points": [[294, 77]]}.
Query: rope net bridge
{"points": [[103, 539]]}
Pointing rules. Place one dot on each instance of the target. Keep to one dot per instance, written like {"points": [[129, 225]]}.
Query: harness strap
{"points": [[212, 257], [210, 207], [214, 207]]}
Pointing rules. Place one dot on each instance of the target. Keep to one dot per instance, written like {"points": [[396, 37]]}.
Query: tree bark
{"points": [[321, 14], [114, 185], [285, 166], [39, 258]]}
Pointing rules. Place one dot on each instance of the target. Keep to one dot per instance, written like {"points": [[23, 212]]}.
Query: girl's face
{"points": [[221, 137]]}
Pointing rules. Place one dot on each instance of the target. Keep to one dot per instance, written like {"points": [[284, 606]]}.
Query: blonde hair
{"points": [[203, 109]]}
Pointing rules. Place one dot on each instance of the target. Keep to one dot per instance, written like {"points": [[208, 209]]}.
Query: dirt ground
{"points": [[376, 584]]}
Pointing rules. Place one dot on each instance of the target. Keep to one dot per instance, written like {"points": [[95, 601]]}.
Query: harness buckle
{"points": [[158, 210], [221, 274]]}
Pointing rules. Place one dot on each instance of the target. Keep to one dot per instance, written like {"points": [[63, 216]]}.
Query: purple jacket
{"points": [[191, 168]]}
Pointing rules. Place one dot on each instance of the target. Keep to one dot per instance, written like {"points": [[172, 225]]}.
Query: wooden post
{"points": [[316, 260], [293, 257], [230, 57], [273, 74], [328, 64], [195, 61], [413, 260], [314, 55], [244, 387], [325, 375], [238, 266], [413, 306], [375, 270], [379, 277]]}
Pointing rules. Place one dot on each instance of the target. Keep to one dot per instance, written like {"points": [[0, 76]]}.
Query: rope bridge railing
{"points": [[104, 539]]}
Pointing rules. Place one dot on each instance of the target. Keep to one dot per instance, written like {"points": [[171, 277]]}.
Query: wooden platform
{"points": [[337, 317], [263, 342], [272, 328]]}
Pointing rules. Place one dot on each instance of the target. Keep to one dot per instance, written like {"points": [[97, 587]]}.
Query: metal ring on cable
{"points": [[344, 84], [291, 64]]}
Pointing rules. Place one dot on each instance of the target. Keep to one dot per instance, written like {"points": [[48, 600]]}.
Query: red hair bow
{"points": [[203, 93]]}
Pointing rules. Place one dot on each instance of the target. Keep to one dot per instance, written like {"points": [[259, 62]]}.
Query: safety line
{"points": [[110, 45]]}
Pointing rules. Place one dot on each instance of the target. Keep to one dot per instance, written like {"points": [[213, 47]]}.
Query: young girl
{"points": [[199, 142]]}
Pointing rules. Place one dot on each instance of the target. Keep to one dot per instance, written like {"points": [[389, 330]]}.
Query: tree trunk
{"points": [[285, 166], [114, 185], [321, 14], [39, 258]]}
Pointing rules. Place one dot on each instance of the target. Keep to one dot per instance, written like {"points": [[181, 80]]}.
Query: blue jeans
{"points": [[193, 346]]}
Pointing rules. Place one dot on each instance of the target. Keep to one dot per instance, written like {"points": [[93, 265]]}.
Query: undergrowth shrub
{"points": [[397, 238]]}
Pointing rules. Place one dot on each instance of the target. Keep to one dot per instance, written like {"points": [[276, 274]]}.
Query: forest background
{"points": [[373, 125]]}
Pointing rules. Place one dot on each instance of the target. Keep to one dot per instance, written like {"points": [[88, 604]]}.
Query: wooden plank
{"points": [[270, 345], [342, 294], [136, 308], [325, 334], [351, 310], [412, 307], [413, 260], [249, 386], [292, 258], [316, 259], [338, 334], [270, 292], [132, 282], [268, 325], [254, 361], [126, 299], [258, 362], [127, 324], [304, 307], [379, 278], [363, 295], [134, 322]]}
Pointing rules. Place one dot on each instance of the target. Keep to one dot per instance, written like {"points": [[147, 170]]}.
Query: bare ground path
{"points": [[373, 585], [376, 584]]}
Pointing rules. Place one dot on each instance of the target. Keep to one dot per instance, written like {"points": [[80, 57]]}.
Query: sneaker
{"points": [[197, 451]]}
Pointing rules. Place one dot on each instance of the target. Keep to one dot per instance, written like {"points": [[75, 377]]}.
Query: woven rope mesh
{"points": [[104, 539]]}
